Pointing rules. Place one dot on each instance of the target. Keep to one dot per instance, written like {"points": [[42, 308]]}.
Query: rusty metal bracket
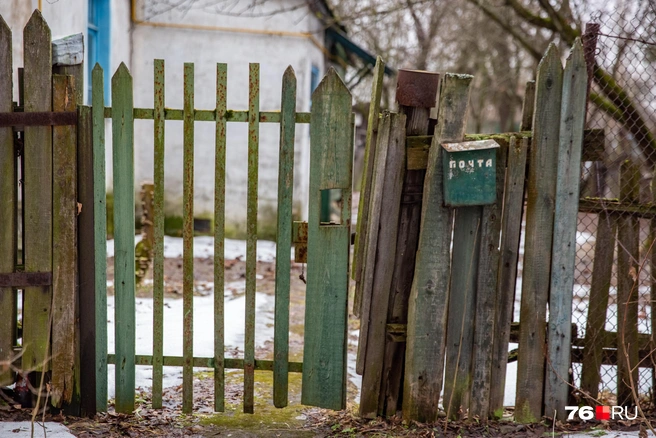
{"points": [[26, 279], [299, 239], [48, 118]]}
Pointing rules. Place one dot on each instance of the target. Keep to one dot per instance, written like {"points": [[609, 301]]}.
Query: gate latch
{"points": [[299, 239]]}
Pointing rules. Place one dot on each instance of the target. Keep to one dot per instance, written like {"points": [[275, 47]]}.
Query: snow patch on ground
{"points": [[203, 331], [204, 247], [23, 429]]}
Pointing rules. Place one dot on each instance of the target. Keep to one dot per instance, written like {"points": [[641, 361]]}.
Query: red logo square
{"points": [[602, 413]]}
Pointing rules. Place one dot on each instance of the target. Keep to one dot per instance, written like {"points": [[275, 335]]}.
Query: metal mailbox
{"points": [[470, 170]]}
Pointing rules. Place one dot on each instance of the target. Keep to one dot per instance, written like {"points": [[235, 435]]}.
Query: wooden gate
{"points": [[324, 358]]}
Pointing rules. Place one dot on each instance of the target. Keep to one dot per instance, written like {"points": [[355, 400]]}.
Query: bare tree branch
{"points": [[523, 41], [529, 17]]}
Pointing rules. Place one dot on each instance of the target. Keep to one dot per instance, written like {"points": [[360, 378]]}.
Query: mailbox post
{"points": [[470, 173]]}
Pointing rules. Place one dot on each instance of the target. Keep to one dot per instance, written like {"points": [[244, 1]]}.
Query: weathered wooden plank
{"points": [[68, 50], [389, 178], [609, 341], [429, 293], [513, 209], [284, 238], [513, 206], [370, 247], [124, 280], [210, 115], [8, 206], [610, 356], [83, 323], [417, 123], [219, 235], [21, 280], [541, 186], [628, 252], [38, 194], [365, 186], [251, 230], [20, 120], [419, 145], [602, 270], [158, 230], [389, 398], [86, 261], [572, 122], [528, 107], [460, 329], [324, 355], [188, 240], [100, 236], [488, 273], [602, 205], [208, 362], [64, 222]]}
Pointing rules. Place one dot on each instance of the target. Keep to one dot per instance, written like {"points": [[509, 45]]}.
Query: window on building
{"points": [[314, 80], [98, 42]]}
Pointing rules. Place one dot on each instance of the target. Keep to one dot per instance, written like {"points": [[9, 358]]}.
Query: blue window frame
{"points": [[314, 80], [98, 41]]}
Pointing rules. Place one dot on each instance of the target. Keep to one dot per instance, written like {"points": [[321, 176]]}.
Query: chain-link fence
{"points": [[614, 279]]}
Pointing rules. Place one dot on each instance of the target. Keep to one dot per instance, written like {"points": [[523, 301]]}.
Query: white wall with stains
{"points": [[206, 38]]}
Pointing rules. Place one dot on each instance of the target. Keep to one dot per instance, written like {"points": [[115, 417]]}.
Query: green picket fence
{"points": [[324, 358]]}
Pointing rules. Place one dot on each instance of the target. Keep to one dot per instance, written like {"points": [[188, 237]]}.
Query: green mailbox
{"points": [[470, 173]]}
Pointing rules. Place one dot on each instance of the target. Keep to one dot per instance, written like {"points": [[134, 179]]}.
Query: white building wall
{"points": [[206, 39]]}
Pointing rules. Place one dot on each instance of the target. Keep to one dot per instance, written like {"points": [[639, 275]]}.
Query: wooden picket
{"points": [[430, 287], [284, 238], [572, 122], [37, 252], [158, 231], [100, 236], [365, 188], [188, 240], [628, 248], [219, 235], [387, 178], [602, 270], [8, 206], [324, 354], [64, 243], [251, 233], [541, 187], [511, 224], [460, 330], [513, 205], [124, 231]]}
